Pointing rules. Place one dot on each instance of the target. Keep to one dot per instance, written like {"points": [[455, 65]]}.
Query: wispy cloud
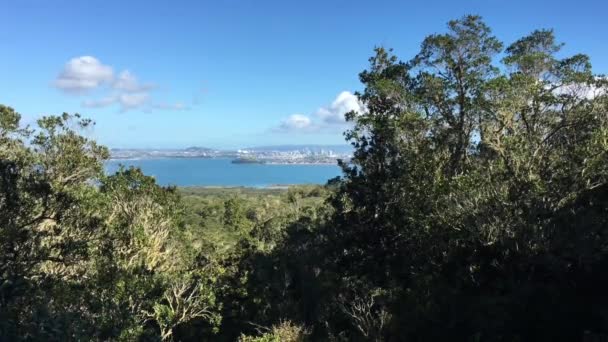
{"points": [[100, 103], [127, 82], [171, 106], [133, 100], [129, 101], [126, 101]]}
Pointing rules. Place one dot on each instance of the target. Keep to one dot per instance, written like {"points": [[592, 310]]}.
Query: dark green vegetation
{"points": [[247, 161], [475, 209]]}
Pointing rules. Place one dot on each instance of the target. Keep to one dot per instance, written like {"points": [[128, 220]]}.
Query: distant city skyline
{"points": [[235, 74]]}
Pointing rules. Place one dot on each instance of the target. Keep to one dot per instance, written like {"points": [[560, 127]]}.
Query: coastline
{"points": [[265, 162]]}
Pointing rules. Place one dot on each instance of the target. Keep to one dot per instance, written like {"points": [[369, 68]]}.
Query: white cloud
{"points": [[126, 101], [344, 103], [328, 118], [127, 82], [296, 122], [580, 90], [83, 73], [132, 100]]}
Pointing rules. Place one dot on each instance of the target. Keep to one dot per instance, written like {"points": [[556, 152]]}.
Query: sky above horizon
{"points": [[229, 74]]}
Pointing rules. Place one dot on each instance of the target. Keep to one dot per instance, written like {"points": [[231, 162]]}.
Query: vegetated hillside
{"points": [[224, 217], [475, 208]]}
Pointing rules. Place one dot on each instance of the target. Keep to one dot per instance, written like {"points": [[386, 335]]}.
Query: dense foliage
{"points": [[475, 208]]}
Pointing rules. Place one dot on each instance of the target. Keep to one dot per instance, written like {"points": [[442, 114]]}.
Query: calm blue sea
{"points": [[221, 172]]}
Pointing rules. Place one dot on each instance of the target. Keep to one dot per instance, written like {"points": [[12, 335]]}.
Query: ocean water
{"points": [[221, 172]]}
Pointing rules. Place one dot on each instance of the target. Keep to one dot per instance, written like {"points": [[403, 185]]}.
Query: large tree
{"points": [[475, 203]]}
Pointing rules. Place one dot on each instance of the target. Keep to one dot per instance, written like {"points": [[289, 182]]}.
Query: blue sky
{"points": [[236, 73]]}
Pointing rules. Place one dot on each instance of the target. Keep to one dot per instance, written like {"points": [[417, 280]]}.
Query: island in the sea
{"points": [[282, 154], [242, 160]]}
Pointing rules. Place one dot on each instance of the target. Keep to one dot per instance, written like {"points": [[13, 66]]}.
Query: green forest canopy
{"points": [[475, 208]]}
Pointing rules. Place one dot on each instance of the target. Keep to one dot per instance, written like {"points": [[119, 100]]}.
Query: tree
{"points": [[475, 188], [45, 221], [89, 256]]}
